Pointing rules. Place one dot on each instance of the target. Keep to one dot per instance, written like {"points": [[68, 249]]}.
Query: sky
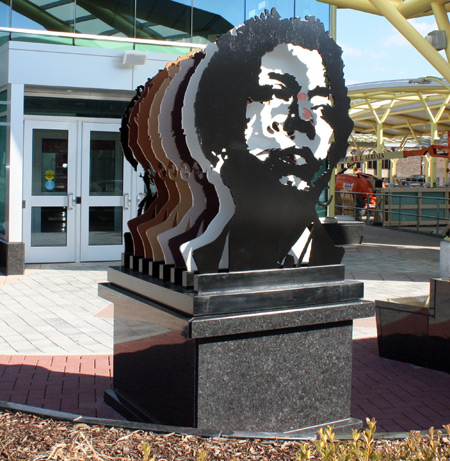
{"points": [[374, 51]]}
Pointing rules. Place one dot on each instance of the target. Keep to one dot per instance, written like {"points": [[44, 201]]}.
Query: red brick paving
{"points": [[74, 384], [399, 396]]}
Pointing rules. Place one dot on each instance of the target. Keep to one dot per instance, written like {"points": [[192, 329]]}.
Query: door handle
{"points": [[126, 201], [70, 201], [139, 198]]}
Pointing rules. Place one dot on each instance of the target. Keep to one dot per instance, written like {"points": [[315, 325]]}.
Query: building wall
{"points": [[74, 67]]}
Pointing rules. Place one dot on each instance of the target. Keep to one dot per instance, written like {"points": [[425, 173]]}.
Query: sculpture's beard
{"points": [[293, 166]]}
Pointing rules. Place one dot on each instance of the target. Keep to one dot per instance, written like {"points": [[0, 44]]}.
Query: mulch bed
{"points": [[24, 436], [29, 437]]}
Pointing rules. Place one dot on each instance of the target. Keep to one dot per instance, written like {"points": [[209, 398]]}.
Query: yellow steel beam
{"points": [[359, 5], [413, 132], [442, 22], [400, 108], [355, 143], [443, 107], [403, 142], [386, 8], [413, 8], [427, 109], [408, 9]]}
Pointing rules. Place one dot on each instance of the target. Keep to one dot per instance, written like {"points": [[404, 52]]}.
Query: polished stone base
{"points": [[264, 351], [131, 412], [12, 258], [344, 230], [417, 329]]}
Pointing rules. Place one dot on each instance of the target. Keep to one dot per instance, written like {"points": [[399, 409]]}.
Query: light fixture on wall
{"points": [[438, 39], [134, 58]]}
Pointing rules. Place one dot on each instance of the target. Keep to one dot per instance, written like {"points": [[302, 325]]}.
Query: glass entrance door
{"points": [[77, 192], [106, 193], [49, 187]]}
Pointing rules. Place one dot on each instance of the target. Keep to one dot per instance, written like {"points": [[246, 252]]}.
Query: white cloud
{"points": [[350, 50], [423, 26]]}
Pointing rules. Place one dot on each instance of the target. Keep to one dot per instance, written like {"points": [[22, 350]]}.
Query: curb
{"points": [[158, 428]]}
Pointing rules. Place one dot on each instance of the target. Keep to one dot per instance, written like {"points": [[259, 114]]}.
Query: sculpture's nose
{"points": [[295, 123]]}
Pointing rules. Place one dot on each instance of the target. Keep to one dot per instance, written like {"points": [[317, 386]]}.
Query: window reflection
{"points": [[56, 16], [181, 20], [256, 7], [313, 8], [112, 17], [4, 13], [106, 164], [105, 225], [163, 20], [3, 141], [48, 226], [50, 162]]}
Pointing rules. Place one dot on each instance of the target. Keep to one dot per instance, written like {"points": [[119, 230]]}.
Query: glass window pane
{"points": [[168, 20], [105, 17], [41, 39], [3, 158], [105, 225], [313, 8], [214, 18], [48, 226], [3, 143], [4, 13], [256, 7], [50, 156], [44, 15], [4, 37], [106, 164], [37, 105]]}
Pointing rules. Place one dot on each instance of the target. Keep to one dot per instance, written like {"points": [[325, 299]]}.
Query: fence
{"points": [[422, 209]]}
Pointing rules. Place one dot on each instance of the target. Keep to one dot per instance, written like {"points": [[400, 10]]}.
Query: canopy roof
{"points": [[400, 111]]}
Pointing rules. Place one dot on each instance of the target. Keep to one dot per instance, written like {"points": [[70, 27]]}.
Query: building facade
{"points": [[68, 69]]}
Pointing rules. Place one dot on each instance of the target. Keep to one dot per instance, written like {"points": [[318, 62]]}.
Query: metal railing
{"points": [[429, 214]]}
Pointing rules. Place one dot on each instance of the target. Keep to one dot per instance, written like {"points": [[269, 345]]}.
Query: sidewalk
{"points": [[56, 336]]}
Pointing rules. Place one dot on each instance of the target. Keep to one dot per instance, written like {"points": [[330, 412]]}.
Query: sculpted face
{"points": [[286, 128]]}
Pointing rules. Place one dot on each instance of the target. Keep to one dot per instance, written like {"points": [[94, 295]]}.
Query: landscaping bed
{"points": [[28, 437]]}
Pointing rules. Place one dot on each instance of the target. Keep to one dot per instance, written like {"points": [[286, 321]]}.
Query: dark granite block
{"points": [[266, 370], [417, 329], [12, 258], [154, 359], [278, 382], [345, 233]]}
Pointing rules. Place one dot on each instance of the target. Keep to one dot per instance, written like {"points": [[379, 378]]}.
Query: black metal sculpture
{"points": [[254, 125], [265, 116]]}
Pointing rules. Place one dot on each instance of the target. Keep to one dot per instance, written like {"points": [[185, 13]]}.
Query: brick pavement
{"points": [[69, 383]]}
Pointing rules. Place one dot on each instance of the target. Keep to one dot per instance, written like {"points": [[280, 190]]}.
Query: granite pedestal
{"points": [[260, 351], [344, 230], [417, 329]]}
